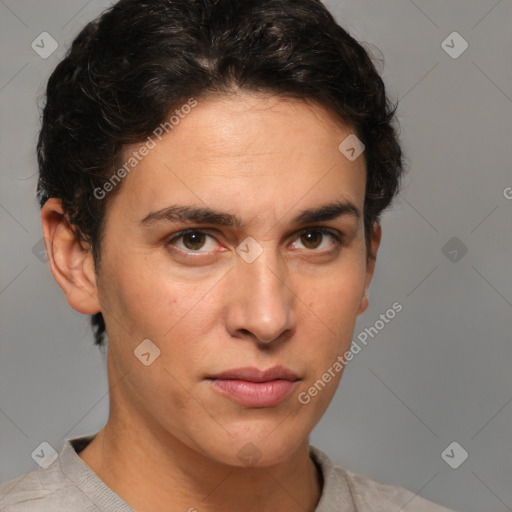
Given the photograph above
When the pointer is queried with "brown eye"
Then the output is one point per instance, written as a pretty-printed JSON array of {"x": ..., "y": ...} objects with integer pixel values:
[
  {"x": 194, "y": 240},
  {"x": 312, "y": 239},
  {"x": 317, "y": 239}
]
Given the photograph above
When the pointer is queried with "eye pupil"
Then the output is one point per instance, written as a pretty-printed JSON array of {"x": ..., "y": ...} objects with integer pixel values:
[
  {"x": 197, "y": 240},
  {"x": 311, "y": 237}
]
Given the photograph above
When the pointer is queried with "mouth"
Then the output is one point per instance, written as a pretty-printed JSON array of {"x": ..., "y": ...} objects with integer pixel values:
[{"x": 256, "y": 388}]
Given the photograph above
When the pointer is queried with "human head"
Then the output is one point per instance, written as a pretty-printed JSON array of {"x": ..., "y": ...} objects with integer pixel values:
[
  {"x": 257, "y": 97},
  {"x": 127, "y": 71}
]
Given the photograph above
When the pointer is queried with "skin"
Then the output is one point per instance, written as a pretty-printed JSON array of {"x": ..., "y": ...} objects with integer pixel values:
[{"x": 171, "y": 441}]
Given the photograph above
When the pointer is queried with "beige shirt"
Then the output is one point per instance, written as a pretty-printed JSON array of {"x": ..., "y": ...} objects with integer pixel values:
[{"x": 69, "y": 485}]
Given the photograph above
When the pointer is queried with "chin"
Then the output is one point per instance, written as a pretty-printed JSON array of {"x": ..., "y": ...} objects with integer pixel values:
[{"x": 256, "y": 451}]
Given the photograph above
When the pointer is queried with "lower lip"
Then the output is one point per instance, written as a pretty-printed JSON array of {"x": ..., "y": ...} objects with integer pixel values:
[{"x": 255, "y": 394}]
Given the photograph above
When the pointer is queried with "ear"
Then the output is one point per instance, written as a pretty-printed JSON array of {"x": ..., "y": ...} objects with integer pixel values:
[
  {"x": 371, "y": 258},
  {"x": 71, "y": 261}
]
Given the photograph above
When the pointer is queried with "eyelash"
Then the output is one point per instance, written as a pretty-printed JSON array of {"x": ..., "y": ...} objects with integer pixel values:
[{"x": 338, "y": 237}]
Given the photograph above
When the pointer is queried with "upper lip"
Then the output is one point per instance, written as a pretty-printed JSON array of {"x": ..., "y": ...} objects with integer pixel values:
[{"x": 255, "y": 375}]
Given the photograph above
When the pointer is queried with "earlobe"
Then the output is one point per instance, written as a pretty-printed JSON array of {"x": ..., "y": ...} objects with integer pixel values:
[
  {"x": 364, "y": 304},
  {"x": 71, "y": 261},
  {"x": 376, "y": 236}
]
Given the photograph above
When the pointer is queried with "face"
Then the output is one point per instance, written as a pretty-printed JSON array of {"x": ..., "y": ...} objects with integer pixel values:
[{"x": 271, "y": 280}]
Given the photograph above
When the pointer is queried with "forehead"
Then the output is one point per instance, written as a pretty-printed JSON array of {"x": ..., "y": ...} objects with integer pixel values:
[{"x": 248, "y": 153}]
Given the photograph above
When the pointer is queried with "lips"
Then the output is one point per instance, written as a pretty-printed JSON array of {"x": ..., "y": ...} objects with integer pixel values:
[
  {"x": 255, "y": 375},
  {"x": 252, "y": 387}
]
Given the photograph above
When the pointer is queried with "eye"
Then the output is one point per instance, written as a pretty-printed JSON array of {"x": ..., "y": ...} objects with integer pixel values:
[
  {"x": 192, "y": 240},
  {"x": 313, "y": 238}
]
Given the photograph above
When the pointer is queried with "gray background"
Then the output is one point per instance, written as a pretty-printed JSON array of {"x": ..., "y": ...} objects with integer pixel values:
[{"x": 438, "y": 372}]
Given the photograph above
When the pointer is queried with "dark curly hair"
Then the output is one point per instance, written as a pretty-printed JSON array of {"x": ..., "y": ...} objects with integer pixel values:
[{"x": 128, "y": 69}]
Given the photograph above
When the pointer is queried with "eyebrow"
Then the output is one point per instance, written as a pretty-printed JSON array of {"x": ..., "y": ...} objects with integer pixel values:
[{"x": 193, "y": 214}]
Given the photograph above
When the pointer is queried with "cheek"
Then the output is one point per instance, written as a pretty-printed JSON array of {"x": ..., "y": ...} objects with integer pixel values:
[
  {"x": 143, "y": 301},
  {"x": 176, "y": 316},
  {"x": 329, "y": 314},
  {"x": 336, "y": 296}
]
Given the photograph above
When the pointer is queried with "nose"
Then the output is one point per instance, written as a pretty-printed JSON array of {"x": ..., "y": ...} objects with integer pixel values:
[{"x": 262, "y": 303}]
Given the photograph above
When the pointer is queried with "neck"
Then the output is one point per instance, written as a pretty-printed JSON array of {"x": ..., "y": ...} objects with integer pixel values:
[{"x": 154, "y": 471}]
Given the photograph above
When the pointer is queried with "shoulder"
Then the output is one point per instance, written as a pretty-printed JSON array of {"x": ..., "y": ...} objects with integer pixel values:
[
  {"x": 342, "y": 485},
  {"x": 58, "y": 486},
  {"x": 27, "y": 493},
  {"x": 385, "y": 497}
]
